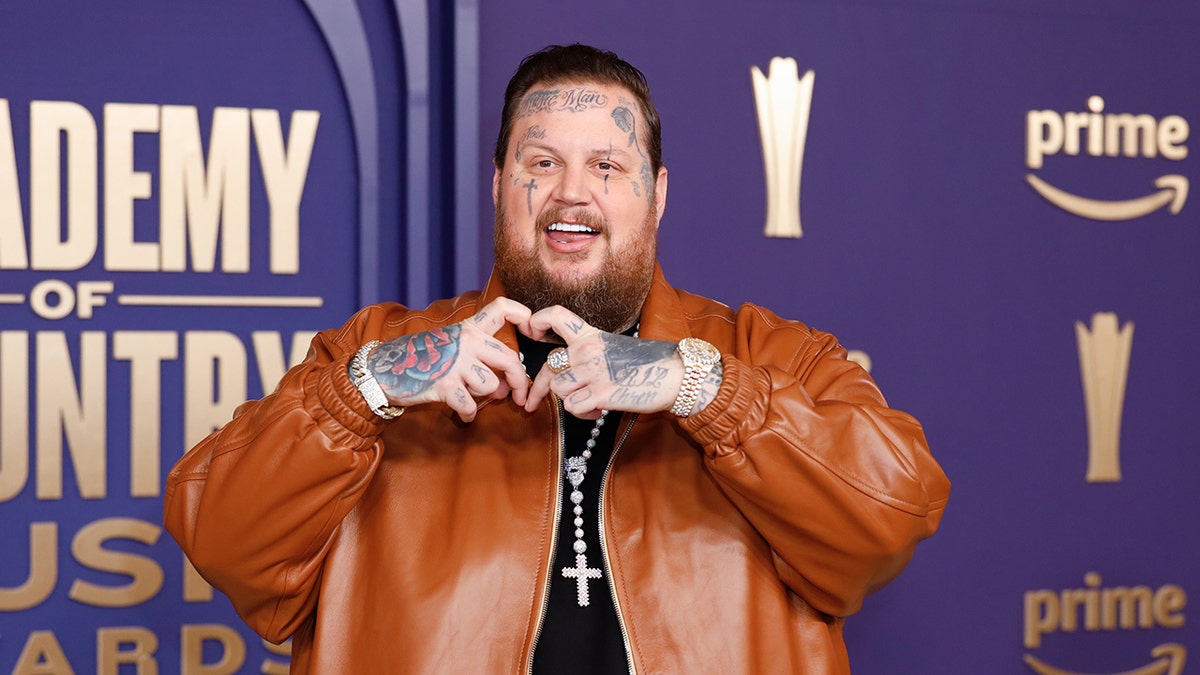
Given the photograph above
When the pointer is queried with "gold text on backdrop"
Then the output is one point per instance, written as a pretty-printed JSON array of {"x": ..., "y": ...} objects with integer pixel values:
[{"x": 1100, "y": 134}]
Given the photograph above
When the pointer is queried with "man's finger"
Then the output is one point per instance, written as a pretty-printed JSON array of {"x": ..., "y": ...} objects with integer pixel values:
[
  {"x": 538, "y": 390},
  {"x": 502, "y": 391},
  {"x": 515, "y": 377},
  {"x": 460, "y": 401},
  {"x": 481, "y": 381},
  {"x": 580, "y": 402},
  {"x": 507, "y": 364},
  {"x": 565, "y": 323},
  {"x": 499, "y": 312}
]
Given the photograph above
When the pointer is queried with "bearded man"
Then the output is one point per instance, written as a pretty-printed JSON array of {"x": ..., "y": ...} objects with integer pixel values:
[{"x": 577, "y": 469}]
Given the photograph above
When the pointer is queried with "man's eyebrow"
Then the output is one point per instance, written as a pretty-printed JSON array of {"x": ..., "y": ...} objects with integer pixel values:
[
  {"x": 612, "y": 150},
  {"x": 603, "y": 151}
]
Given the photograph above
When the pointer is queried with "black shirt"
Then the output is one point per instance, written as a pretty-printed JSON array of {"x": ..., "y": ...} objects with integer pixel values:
[{"x": 573, "y": 639}]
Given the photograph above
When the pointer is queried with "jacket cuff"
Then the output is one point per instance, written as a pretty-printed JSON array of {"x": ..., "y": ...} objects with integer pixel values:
[
  {"x": 341, "y": 407},
  {"x": 739, "y": 401}
]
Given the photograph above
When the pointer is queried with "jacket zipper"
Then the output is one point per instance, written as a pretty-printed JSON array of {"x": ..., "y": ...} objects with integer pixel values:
[
  {"x": 562, "y": 442},
  {"x": 612, "y": 586}
]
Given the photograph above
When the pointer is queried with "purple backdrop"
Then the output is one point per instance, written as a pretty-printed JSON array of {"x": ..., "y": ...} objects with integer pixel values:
[{"x": 925, "y": 247}]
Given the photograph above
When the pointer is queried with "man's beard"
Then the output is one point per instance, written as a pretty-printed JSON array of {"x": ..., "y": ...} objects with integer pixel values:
[{"x": 610, "y": 300}]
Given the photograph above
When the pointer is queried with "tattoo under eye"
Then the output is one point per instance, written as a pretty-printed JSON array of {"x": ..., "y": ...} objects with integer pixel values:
[
  {"x": 529, "y": 188},
  {"x": 607, "y": 158}
]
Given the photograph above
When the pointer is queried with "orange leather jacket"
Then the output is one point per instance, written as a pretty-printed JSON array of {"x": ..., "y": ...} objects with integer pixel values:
[{"x": 737, "y": 540}]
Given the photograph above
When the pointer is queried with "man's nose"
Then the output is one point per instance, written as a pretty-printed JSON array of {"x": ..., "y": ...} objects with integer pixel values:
[{"x": 573, "y": 189}]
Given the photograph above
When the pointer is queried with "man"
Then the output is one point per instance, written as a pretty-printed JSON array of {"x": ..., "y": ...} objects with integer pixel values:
[{"x": 681, "y": 488}]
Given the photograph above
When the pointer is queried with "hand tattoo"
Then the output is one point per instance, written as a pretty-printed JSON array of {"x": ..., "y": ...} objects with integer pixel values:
[
  {"x": 624, "y": 354},
  {"x": 481, "y": 372},
  {"x": 408, "y": 366},
  {"x": 635, "y": 370}
]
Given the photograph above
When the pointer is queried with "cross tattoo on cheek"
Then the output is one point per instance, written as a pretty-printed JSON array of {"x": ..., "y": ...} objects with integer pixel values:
[{"x": 529, "y": 188}]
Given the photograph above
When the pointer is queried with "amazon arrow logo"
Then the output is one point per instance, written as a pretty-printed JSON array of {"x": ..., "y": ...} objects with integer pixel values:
[
  {"x": 1173, "y": 190},
  {"x": 1168, "y": 660},
  {"x": 1101, "y": 134}
]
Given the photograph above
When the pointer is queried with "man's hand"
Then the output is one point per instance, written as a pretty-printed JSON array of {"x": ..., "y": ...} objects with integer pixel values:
[
  {"x": 607, "y": 371},
  {"x": 455, "y": 363}
]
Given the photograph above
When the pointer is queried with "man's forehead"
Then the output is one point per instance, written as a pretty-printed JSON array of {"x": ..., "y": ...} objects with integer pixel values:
[
  {"x": 575, "y": 95},
  {"x": 610, "y": 87}
]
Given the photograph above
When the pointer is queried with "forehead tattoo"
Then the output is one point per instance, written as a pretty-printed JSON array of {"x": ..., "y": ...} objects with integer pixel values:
[
  {"x": 625, "y": 120},
  {"x": 575, "y": 99},
  {"x": 533, "y": 132}
]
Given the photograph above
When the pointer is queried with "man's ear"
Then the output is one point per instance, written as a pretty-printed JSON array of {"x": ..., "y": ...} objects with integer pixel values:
[
  {"x": 660, "y": 192},
  {"x": 496, "y": 186}
]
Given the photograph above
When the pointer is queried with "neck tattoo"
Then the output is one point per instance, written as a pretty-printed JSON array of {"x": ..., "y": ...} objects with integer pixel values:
[{"x": 575, "y": 469}]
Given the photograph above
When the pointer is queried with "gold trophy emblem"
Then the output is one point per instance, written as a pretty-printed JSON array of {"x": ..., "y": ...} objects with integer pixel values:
[
  {"x": 1104, "y": 366},
  {"x": 783, "y": 100}
]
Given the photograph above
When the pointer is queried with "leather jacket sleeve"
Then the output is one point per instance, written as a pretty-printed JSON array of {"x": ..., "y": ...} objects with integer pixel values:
[
  {"x": 841, "y": 486},
  {"x": 255, "y": 504}
]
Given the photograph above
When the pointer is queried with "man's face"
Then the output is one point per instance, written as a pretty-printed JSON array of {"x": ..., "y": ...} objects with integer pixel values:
[{"x": 577, "y": 204}]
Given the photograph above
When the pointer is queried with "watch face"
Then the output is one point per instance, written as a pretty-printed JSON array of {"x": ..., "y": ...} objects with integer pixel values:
[{"x": 699, "y": 351}]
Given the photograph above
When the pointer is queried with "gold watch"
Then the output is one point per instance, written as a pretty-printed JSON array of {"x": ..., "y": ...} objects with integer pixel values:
[{"x": 699, "y": 357}]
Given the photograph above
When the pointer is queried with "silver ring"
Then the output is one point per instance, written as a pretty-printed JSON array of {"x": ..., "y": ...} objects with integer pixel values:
[{"x": 558, "y": 360}]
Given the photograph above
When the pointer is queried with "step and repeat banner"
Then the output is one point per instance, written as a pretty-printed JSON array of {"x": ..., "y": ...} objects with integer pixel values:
[
  {"x": 179, "y": 213},
  {"x": 988, "y": 203}
]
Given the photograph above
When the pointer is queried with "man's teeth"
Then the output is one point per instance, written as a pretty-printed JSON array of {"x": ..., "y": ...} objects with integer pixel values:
[{"x": 570, "y": 227}]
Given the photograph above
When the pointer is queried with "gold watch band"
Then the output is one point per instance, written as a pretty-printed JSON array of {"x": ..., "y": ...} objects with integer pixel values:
[
  {"x": 366, "y": 384},
  {"x": 699, "y": 357}
]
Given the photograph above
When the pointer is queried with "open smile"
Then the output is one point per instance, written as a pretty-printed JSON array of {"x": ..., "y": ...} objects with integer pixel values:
[{"x": 570, "y": 237}]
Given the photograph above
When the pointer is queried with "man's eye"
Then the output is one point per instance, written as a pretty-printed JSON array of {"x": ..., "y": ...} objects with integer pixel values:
[
  {"x": 545, "y": 164},
  {"x": 605, "y": 166}
]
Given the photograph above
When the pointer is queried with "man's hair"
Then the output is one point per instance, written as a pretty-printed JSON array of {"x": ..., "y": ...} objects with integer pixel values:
[{"x": 579, "y": 64}]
